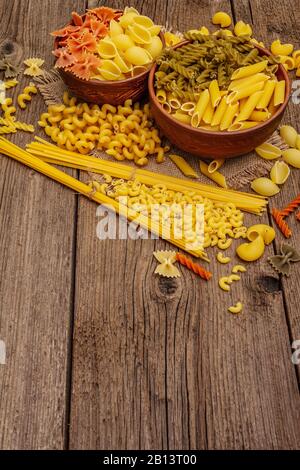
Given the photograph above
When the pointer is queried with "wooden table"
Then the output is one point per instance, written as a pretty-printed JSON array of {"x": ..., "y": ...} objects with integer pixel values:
[{"x": 102, "y": 354}]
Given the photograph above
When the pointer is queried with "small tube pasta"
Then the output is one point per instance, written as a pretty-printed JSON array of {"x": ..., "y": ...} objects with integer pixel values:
[
  {"x": 184, "y": 118},
  {"x": 240, "y": 126},
  {"x": 221, "y": 18},
  {"x": 281, "y": 49},
  {"x": 236, "y": 309},
  {"x": 215, "y": 165},
  {"x": 214, "y": 91},
  {"x": 249, "y": 70},
  {"x": 216, "y": 176},
  {"x": 238, "y": 268},
  {"x": 267, "y": 94},
  {"x": 188, "y": 107},
  {"x": 161, "y": 96},
  {"x": 279, "y": 93},
  {"x": 224, "y": 284},
  {"x": 260, "y": 116},
  {"x": 223, "y": 259},
  {"x": 183, "y": 166}
]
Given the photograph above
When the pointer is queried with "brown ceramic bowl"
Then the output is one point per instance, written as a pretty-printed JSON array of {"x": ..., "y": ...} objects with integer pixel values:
[
  {"x": 209, "y": 144},
  {"x": 111, "y": 92}
]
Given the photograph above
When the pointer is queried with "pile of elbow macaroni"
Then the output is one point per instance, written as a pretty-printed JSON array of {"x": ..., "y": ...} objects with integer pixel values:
[{"x": 124, "y": 132}]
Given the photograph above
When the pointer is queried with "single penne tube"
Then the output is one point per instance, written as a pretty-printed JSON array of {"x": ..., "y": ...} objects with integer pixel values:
[
  {"x": 279, "y": 93},
  {"x": 209, "y": 112},
  {"x": 185, "y": 118},
  {"x": 243, "y": 101},
  {"x": 258, "y": 77},
  {"x": 215, "y": 176},
  {"x": 214, "y": 91},
  {"x": 215, "y": 165},
  {"x": 183, "y": 166},
  {"x": 167, "y": 107},
  {"x": 267, "y": 94},
  {"x": 230, "y": 113},
  {"x": 161, "y": 96},
  {"x": 188, "y": 107},
  {"x": 240, "y": 126},
  {"x": 260, "y": 116},
  {"x": 272, "y": 108},
  {"x": 219, "y": 112},
  {"x": 209, "y": 128},
  {"x": 249, "y": 70},
  {"x": 249, "y": 106},
  {"x": 244, "y": 92},
  {"x": 173, "y": 101},
  {"x": 200, "y": 108}
]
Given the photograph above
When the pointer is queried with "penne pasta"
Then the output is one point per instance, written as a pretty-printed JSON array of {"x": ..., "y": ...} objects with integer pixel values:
[
  {"x": 215, "y": 165},
  {"x": 188, "y": 107},
  {"x": 249, "y": 70},
  {"x": 173, "y": 101},
  {"x": 244, "y": 92},
  {"x": 185, "y": 118},
  {"x": 219, "y": 113},
  {"x": 260, "y": 116},
  {"x": 200, "y": 108},
  {"x": 214, "y": 91},
  {"x": 279, "y": 93},
  {"x": 230, "y": 113},
  {"x": 215, "y": 176},
  {"x": 161, "y": 96},
  {"x": 267, "y": 95},
  {"x": 256, "y": 78},
  {"x": 241, "y": 126},
  {"x": 249, "y": 106},
  {"x": 183, "y": 166},
  {"x": 208, "y": 115}
]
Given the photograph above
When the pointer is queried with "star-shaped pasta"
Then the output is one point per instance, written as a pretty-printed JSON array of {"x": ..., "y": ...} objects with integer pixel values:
[
  {"x": 34, "y": 65},
  {"x": 166, "y": 267}
]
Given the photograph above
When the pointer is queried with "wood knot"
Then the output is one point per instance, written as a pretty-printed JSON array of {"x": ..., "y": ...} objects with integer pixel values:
[
  {"x": 12, "y": 50},
  {"x": 268, "y": 284},
  {"x": 167, "y": 288},
  {"x": 7, "y": 47}
]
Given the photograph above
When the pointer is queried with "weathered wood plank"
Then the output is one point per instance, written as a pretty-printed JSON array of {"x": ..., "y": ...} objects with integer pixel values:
[
  {"x": 161, "y": 363},
  {"x": 37, "y": 220}
]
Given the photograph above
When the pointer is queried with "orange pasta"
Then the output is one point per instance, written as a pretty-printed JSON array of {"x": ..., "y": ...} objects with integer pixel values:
[
  {"x": 282, "y": 225},
  {"x": 291, "y": 207},
  {"x": 196, "y": 268}
]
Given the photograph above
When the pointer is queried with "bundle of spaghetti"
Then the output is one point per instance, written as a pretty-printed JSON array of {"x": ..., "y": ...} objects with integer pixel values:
[
  {"x": 281, "y": 224},
  {"x": 291, "y": 207},
  {"x": 53, "y": 154},
  {"x": 196, "y": 268},
  {"x": 17, "y": 153}
]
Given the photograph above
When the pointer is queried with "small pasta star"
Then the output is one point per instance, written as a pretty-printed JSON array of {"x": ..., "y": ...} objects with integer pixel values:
[
  {"x": 166, "y": 267},
  {"x": 34, "y": 65}
]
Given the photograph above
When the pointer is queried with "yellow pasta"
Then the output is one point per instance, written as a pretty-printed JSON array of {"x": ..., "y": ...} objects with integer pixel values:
[
  {"x": 214, "y": 91},
  {"x": 292, "y": 157},
  {"x": 236, "y": 309},
  {"x": 289, "y": 135},
  {"x": 224, "y": 284},
  {"x": 183, "y": 166},
  {"x": 288, "y": 62},
  {"x": 281, "y": 49},
  {"x": 215, "y": 176},
  {"x": 251, "y": 251},
  {"x": 215, "y": 165},
  {"x": 137, "y": 56},
  {"x": 240, "y": 126},
  {"x": 8, "y": 109},
  {"x": 219, "y": 113},
  {"x": 26, "y": 95},
  {"x": 200, "y": 108},
  {"x": 259, "y": 116},
  {"x": 265, "y": 187},
  {"x": 247, "y": 81},
  {"x": 209, "y": 113},
  {"x": 244, "y": 92},
  {"x": 280, "y": 172},
  {"x": 166, "y": 267},
  {"x": 223, "y": 259},
  {"x": 161, "y": 95},
  {"x": 249, "y": 70},
  {"x": 230, "y": 113},
  {"x": 10, "y": 84},
  {"x": 268, "y": 151},
  {"x": 242, "y": 29},
  {"x": 279, "y": 93},
  {"x": 34, "y": 65},
  {"x": 249, "y": 106},
  {"x": 267, "y": 94},
  {"x": 224, "y": 244},
  {"x": 238, "y": 268},
  {"x": 221, "y": 18}
]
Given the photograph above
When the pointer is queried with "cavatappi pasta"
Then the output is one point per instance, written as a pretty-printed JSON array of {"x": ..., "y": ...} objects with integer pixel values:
[
  {"x": 220, "y": 82},
  {"x": 125, "y": 132}
]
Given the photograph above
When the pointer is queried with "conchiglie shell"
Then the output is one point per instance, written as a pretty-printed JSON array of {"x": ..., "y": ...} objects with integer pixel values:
[
  {"x": 268, "y": 151},
  {"x": 264, "y": 187},
  {"x": 292, "y": 157},
  {"x": 298, "y": 142},
  {"x": 280, "y": 172},
  {"x": 139, "y": 34},
  {"x": 115, "y": 28},
  {"x": 130, "y": 10},
  {"x": 109, "y": 70},
  {"x": 127, "y": 19},
  {"x": 251, "y": 251},
  {"x": 155, "y": 47},
  {"x": 143, "y": 21},
  {"x": 289, "y": 135},
  {"x": 155, "y": 30},
  {"x": 138, "y": 70},
  {"x": 137, "y": 56},
  {"x": 123, "y": 42},
  {"x": 107, "y": 49},
  {"x": 265, "y": 231},
  {"x": 123, "y": 66}
]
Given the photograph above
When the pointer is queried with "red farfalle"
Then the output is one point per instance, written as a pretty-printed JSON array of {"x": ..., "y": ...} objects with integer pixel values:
[
  {"x": 64, "y": 58},
  {"x": 77, "y": 19},
  {"x": 86, "y": 66},
  {"x": 66, "y": 31},
  {"x": 104, "y": 14},
  {"x": 98, "y": 28},
  {"x": 86, "y": 42}
]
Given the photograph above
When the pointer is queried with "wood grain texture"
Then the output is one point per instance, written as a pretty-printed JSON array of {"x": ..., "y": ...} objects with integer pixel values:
[
  {"x": 161, "y": 364},
  {"x": 36, "y": 260}
]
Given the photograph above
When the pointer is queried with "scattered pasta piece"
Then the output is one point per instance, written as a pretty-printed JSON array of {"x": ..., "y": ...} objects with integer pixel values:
[
  {"x": 10, "y": 70},
  {"x": 291, "y": 207},
  {"x": 265, "y": 231},
  {"x": 196, "y": 268},
  {"x": 26, "y": 95},
  {"x": 233, "y": 277},
  {"x": 7, "y": 130},
  {"x": 242, "y": 29},
  {"x": 251, "y": 251},
  {"x": 236, "y": 309},
  {"x": 281, "y": 224},
  {"x": 34, "y": 67},
  {"x": 166, "y": 267},
  {"x": 289, "y": 135},
  {"x": 281, "y": 263},
  {"x": 10, "y": 84},
  {"x": 280, "y": 172},
  {"x": 265, "y": 187},
  {"x": 238, "y": 269},
  {"x": 183, "y": 166},
  {"x": 172, "y": 39},
  {"x": 224, "y": 284},
  {"x": 215, "y": 165},
  {"x": 221, "y": 18},
  {"x": 292, "y": 157},
  {"x": 216, "y": 176},
  {"x": 8, "y": 109},
  {"x": 268, "y": 151},
  {"x": 281, "y": 49},
  {"x": 223, "y": 259}
]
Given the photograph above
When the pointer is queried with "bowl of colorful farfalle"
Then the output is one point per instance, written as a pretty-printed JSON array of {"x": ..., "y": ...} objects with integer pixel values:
[{"x": 105, "y": 55}]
